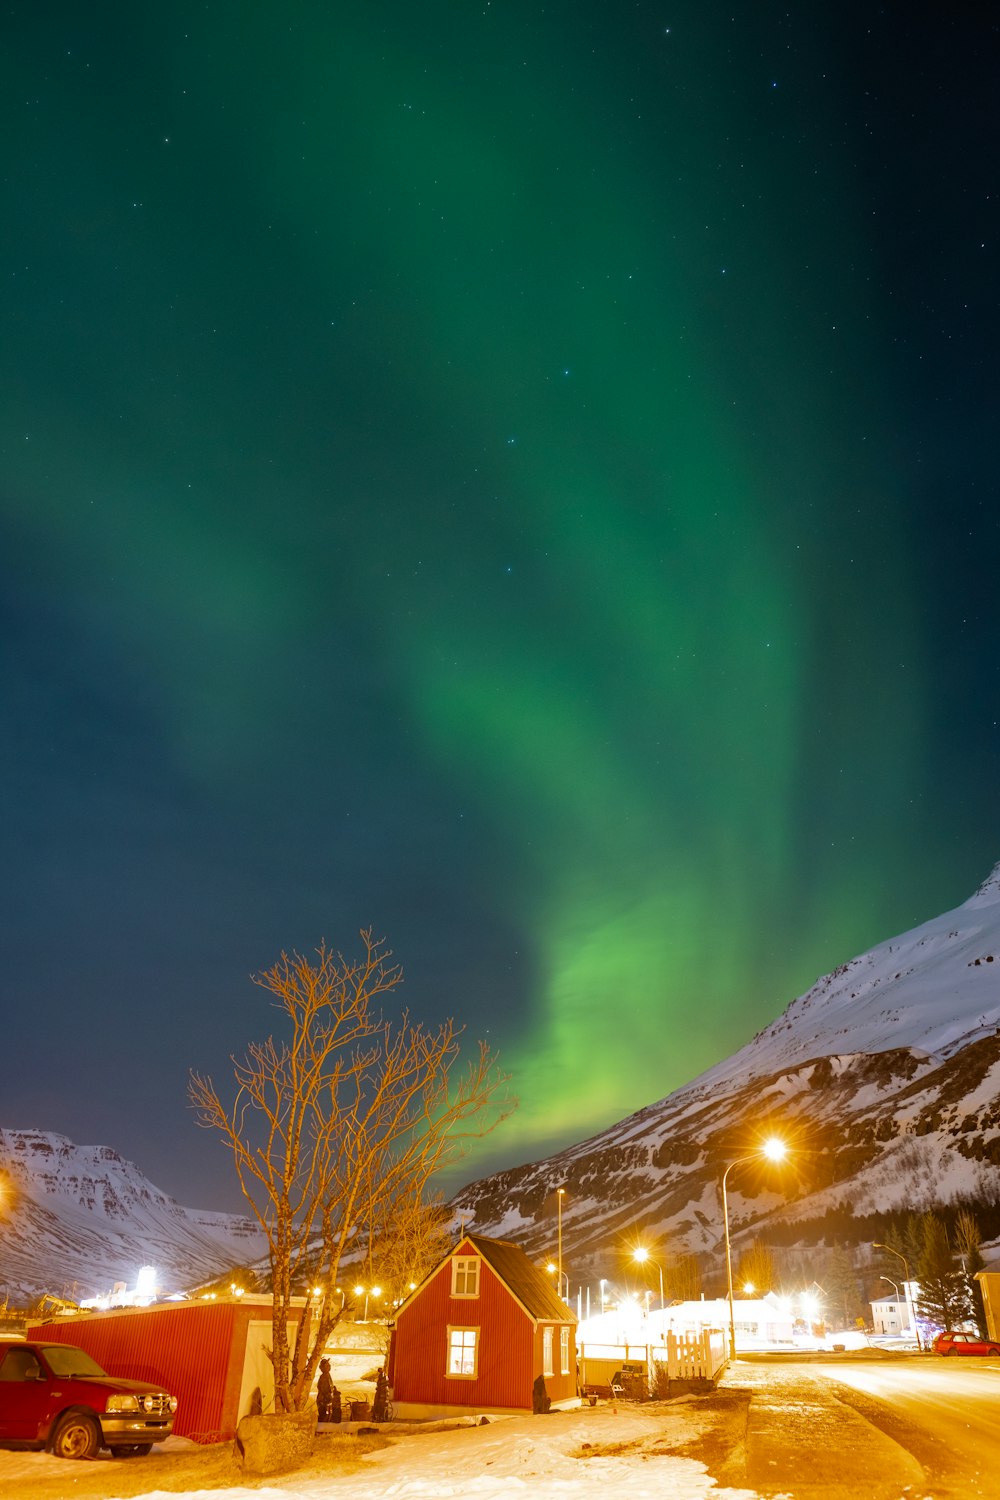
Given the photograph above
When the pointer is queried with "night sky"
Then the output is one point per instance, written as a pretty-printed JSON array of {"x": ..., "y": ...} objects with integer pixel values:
[{"x": 519, "y": 477}]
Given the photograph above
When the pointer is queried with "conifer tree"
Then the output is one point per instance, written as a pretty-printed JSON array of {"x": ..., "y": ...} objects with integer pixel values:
[{"x": 942, "y": 1296}]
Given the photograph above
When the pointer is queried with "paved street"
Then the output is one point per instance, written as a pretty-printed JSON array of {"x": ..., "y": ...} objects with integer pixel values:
[{"x": 872, "y": 1429}]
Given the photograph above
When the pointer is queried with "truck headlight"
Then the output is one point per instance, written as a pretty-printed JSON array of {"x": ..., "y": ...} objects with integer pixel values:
[{"x": 122, "y": 1403}]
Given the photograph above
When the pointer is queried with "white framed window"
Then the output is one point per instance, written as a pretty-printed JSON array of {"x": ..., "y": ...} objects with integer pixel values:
[
  {"x": 463, "y": 1353},
  {"x": 465, "y": 1276},
  {"x": 547, "y": 1366},
  {"x": 564, "y": 1351}
]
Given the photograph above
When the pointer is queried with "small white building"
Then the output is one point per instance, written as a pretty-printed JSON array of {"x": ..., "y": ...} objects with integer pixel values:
[
  {"x": 889, "y": 1315},
  {"x": 759, "y": 1320}
]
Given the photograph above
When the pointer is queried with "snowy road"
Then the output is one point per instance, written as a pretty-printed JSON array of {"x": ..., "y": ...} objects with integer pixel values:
[{"x": 946, "y": 1412}]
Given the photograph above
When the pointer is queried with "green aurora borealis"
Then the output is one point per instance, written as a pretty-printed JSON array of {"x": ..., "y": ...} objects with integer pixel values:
[{"x": 519, "y": 478}]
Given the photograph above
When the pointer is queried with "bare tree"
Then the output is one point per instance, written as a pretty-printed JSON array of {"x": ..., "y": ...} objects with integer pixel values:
[
  {"x": 415, "y": 1237},
  {"x": 339, "y": 1127},
  {"x": 756, "y": 1268},
  {"x": 682, "y": 1277},
  {"x": 968, "y": 1242}
]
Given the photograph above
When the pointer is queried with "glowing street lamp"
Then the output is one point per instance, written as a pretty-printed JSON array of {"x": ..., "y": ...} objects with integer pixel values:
[
  {"x": 774, "y": 1150},
  {"x": 562, "y": 1277},
  {"x": 374, "y": 1291},
  {"x": 642, "y": 1255},
  {"x": 603, "y": 1285},
  {"x": 906, "y": 1286}
]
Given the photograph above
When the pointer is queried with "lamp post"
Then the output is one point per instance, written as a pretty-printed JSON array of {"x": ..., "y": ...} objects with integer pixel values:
[
  {"x": 559, "y": 1199},
  {"x": 603, "y": 1285},
  {"x": 373, "y": 1291},
  {"x": 642, "y": 1256},
  {"x": 906, "y": 1287},
  {"x": 562, "y": 1278},
  {"x": 773, "y": 1150}
]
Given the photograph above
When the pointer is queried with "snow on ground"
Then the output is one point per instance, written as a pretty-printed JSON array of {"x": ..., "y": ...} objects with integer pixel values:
[{"x": 587, "y": 1454}]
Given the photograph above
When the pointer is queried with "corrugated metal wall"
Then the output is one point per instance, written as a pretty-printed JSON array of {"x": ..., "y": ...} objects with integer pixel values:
[
  {"x": 510, "y": 1350},
  {"x": 191, "y": 1350}
]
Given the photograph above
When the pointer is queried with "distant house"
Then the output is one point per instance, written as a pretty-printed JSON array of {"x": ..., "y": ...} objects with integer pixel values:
[
  {"x": 890, "y": 1316},
  {"x": 478, "y": 1333}
]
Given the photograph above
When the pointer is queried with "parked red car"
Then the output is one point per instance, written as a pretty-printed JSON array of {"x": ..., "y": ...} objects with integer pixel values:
[
  {"x": 57, "y": 1397},
  {"x": 964, "y": 1343}
]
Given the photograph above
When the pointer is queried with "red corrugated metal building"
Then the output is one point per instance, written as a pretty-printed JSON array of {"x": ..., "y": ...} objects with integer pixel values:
[
  {"x": 209, "y": 1354},
  {"x": 478, "y": 1332}
]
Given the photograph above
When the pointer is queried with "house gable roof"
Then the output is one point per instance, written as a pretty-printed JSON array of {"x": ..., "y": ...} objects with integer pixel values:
[{"x": 529, "y": 1285}]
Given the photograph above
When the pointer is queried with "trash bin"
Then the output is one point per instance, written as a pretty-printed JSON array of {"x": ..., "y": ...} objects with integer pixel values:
[{"x": 360, "y": 1411}]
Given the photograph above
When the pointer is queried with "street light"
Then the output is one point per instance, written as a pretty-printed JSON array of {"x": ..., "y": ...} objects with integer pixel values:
[
  {"x": 642, "y": 1255},
  {"x": 906, "y": 1287},
  {"x": 559, "y": 1199},
  {"x": 774, "y": 1150},
  {"x": 561, "y": 1276},
  {"x": 603, "y": 1285},
  {"x": 374, "y": 1291},
  {"x": 892, "y": 1283}
]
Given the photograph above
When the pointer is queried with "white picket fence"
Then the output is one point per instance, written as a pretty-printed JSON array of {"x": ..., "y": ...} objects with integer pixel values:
[
  {"x": 691, "y": 1356},
  {"x": 697, "y": 1355}
]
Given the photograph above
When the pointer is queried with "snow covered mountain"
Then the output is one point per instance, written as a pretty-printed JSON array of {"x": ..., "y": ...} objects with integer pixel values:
[
  {"x": 884, "y": 1078},
  {"x": 77, "y": 1219}
]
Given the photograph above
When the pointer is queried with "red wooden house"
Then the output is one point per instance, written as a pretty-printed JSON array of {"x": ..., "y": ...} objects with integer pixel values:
[{"x": 478, "y": 1332}]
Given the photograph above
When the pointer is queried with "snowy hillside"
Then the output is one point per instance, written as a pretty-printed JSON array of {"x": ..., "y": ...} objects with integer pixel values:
[
  {"x": 935, "y": 989},
  {"x": 83, "y": 1217},
  {"x": 884, "y": 1077}
]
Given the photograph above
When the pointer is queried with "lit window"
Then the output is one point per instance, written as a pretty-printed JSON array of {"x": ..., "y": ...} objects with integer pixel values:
[
  {"x": 465, "y": 1276},
  {"x": 463, "y": 1351},
  {"x": 547, "y": 1368},
  {"x": 564, "y": 1350}
]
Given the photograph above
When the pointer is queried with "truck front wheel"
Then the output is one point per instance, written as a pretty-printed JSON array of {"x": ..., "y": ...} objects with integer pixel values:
[{"x": 76, "y": 1436}]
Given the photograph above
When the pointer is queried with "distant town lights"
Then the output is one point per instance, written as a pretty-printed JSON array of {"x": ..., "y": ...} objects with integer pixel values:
[{"x": 145, "y": 1282}]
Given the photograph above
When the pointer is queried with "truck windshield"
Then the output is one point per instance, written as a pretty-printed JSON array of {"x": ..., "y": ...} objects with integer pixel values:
[{"x": 67, "y": 1360}]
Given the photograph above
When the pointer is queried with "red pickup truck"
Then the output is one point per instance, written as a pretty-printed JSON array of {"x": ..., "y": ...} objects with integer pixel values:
[{"x": 56, "y": 1396}]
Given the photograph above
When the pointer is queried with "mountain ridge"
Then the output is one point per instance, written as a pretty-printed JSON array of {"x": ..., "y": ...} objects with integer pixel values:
[
  {"x": 884, "y": 1076},
  {"x": 83, "y": 1218}
]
